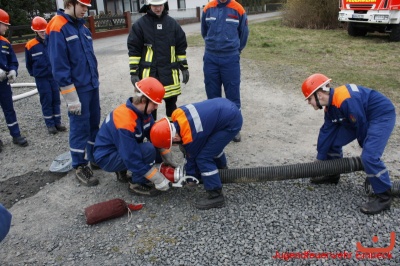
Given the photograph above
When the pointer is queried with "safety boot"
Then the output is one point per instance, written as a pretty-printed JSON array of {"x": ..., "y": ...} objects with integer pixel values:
[
  {"x": 328, "y": 179},
  {"x": 143, "y": 189},
  {"x": 94, "y": 166},
  {"x": 21, "y": 141},
  {"x": 85, "y": 175},
  {"x": 52, "y": 130},
  {"x": 61, "y": 127},
  {"x": 380, "y": 203},
  {"x": 122, "y": 176},
  {"x": 237, "y": 138},
  {"x": 214, "y": 199}
]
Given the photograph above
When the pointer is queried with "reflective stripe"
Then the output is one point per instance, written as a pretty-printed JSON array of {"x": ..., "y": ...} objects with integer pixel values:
[
  {"x": 72, "y": 38},
  {"x": 196, "y": 118},
  {"x": 13, "y": 124},
  {"x": 354, "y": 87},
  {"x": 210, "y": 173},
  {"x": 91, "y": 142},
  {"x": 211, "y": 18},
  {"x": 76, "y": 150},
  {"x": 378, "y": 175},
  {"x": 47, "y": 117},
  {"x": 219, "y": 155},
  {"x": 233, "y": 20},
  {"x": 36, "y": 54},
  {"x": 148, "y": 58}
]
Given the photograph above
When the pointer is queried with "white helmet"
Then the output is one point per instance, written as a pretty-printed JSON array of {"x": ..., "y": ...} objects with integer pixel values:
[{"x": 156, "y": 2}]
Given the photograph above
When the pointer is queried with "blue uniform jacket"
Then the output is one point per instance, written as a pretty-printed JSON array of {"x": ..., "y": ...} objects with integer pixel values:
[
  {"x": 71, "y": 54},
  {"x": 198, "y": 121},
  {"x": 351, "y": 106},
  {"x": 5, "y": 222},
  {"x": 122, "y": 131},
  {"x": 8, "y": 59},
  {"x": 224, "y": 28},
  {"x": 37, "y": 59}
]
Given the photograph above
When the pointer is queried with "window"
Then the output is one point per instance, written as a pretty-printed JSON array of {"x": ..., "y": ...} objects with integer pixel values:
[{"x": 181, "y": 4}]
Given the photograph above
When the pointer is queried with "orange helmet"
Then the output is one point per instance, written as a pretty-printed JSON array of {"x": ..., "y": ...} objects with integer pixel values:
[
  {"x": 152, "y": 89},
  {"x": 4, "y": 17},
  {"x": 38, "y": 24},
  {"x": 313, "y": 83},
  {"x": 161, "y": 133},
  {"x": 85, "y": 2}
]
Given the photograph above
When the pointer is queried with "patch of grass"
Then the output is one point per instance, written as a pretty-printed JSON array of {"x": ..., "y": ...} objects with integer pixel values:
[{"x": 369, "y": 61}]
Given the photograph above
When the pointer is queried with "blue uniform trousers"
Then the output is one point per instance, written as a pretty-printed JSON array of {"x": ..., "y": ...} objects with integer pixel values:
[
  {"x": 84, "y": 128},
  {"x": 222, "y": 70},
  {"x": 114, "y": 162},
  {"x": 378, "y": 134},
  {"x": 5, "y": 222},
  {"x": 212, "y": 157},
  {"x": 7, "y": 105},
  {"x": 50, "y": 100}
]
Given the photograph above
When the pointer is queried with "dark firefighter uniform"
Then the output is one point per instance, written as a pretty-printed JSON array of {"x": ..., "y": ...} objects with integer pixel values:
[
  {"x": 356, "y": 112},
  {"x": 119, "y": 143},
  {"x": 206, "y": 128},
  {"x": 8, "y": 62},
  {"x": 157, "y": 48},
  {"x": 38, "y": 66},
  {"x": 74, "y": 67}
]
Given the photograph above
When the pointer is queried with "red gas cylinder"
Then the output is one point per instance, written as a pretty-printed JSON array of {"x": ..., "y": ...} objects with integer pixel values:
[{"x": 168, "y": 172}]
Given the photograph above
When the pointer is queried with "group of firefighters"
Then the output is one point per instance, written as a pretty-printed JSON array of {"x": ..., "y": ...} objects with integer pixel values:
[{"x": 131, "y": 140}]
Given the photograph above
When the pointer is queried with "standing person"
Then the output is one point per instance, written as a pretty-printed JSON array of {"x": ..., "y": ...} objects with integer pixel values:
[
  {"x": 120, "y": 142},
  {"x": 225, "y": 32},
  {"x": 8, "y": 74},
  {"x": 157, "y": 48},
  {"x": 74, "y": 66},
  {"x": 38, "y": 66},
  {"x": 354, "y": 112},
  {"x": 203, "y": 129}
]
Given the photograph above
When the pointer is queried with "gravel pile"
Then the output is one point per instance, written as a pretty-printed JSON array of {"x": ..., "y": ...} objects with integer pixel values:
[{"x": 262, "y": 223}]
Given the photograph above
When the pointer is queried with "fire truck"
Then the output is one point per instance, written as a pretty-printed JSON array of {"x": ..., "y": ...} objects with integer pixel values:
[{"x": 363, "y": 16}]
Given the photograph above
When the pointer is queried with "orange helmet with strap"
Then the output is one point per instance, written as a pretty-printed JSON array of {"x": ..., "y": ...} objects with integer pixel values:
[
  {"x": 4, "y": 17},
  {"x": 313, "y": 83},
  {"x": 152, "y": 89},
  {"x": 85, "y": 2},
  {"x": 161, "y": 133},
  {"x": 39, "y": 24}
]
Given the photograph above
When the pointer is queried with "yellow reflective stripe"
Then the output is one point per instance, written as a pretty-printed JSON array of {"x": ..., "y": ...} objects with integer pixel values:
[
  {"x": 134, "y": 60},
  {"x": 66, "y": 91},
  {"x": 175, "y": 76},
  {"x": 146, "y": 73},
  {"x": 181, "y": 57},
  {"x": 173, "y": 56},
  {"x": 149, "y": 54},
  {"x": 172, "y": 90}
]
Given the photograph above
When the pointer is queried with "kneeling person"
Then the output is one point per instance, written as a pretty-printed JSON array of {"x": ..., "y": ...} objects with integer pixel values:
[
  {"x": 120, "y": 145},
  {"x": 203, "y": 129}
]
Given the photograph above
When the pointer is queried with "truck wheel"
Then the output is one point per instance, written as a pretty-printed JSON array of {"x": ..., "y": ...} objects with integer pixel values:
[
  {"x": 395, "y": 33},
  {"x": 355, "y": 31}
]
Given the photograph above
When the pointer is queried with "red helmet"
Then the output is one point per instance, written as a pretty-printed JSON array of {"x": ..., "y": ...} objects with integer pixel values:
[
  {"x": 161, "y": 133},
  {"x": 85, "y": 2},
  {"x": 4, "y": 17},
  {"x": 38, "y": 24},
  {"x": 152, "y": 89},
  {"x": 313, "y": 83}
]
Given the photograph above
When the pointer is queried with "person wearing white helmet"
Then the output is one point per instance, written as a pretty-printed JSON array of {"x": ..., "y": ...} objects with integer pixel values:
[
  {"x": 74, "y": 68},
  {"x": 38, "y": 65},
  {"x": 157, "y": 48},
  {"x": 8, "y": 74}
]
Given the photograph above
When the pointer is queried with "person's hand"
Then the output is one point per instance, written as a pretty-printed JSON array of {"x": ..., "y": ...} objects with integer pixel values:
[
  {"x": 166, "y": 156},
  {"x": 185, "y": 76},
  {"x": 3, "y": 75},
  {"x": 12, "y": 76},
  {"x": 75, "y": 108},
  {"x": 158, "y": 179},
  {"x": 134, "y": 79}
]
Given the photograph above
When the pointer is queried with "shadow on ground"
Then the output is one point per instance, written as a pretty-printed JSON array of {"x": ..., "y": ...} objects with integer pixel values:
[{"x": 21, "y": 187}]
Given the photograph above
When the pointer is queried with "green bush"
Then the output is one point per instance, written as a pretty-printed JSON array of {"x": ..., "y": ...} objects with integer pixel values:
[{"x": 311, "y": 14}]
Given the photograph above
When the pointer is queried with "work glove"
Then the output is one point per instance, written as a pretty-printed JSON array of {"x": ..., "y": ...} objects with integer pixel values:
[
  {"x": 185, "y": 76},
  {"x": 73, "y": 104},
  {"x": 3, "y": 75},
  {"x": 182, "y": 149},
  {"x": 134, "y": 79},
  {"x": 158, "y": 179},
  {"x": 12, "y": 76},
  {"x": 166, "y": 156}
]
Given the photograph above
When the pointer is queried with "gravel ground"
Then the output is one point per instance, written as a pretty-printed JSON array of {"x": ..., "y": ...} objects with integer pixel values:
[{"x": 259, "y": 220}]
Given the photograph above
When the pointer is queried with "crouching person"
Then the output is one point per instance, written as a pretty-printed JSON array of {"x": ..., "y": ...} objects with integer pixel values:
[
  {"x": 120, "y": 145},
  {"x": 203, "y": 129}
]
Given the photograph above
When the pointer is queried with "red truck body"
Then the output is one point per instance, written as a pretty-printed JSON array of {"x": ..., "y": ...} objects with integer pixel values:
[{"x": 363, "y": 16}]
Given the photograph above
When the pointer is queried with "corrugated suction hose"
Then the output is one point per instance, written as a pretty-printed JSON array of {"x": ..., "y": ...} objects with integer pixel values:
[{"x": 301, "y": 170}]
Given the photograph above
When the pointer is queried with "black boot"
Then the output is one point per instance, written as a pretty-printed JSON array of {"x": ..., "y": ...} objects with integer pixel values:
[
  {"x": 214, "y": 199},
  {"x": 122, "y": 176},
  {"x": 380, "y": 203},
  {"x": 328, "y": 179}
]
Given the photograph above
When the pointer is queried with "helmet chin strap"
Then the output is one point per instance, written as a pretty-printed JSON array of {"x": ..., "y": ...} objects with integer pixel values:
[
  {"x": 145, "y": 108},
  {"x": 317, "y": 101}
]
